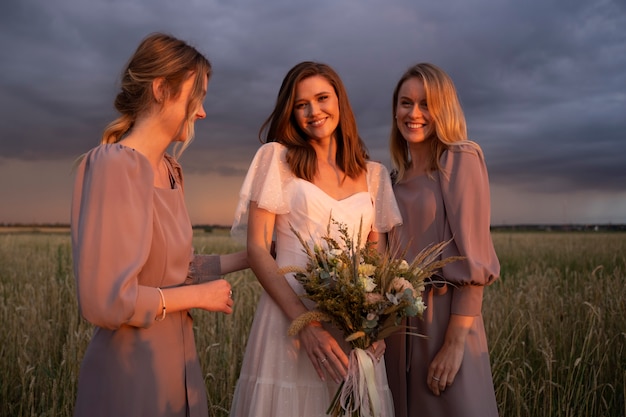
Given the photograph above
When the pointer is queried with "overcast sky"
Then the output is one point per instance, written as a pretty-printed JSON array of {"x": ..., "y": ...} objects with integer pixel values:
[{"x": 542, "y": 83}]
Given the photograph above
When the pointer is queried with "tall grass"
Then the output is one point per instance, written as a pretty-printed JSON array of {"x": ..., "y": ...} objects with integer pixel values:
[
  {"x": 556, "y": 325},
  {"x": 43, "y": 337}
]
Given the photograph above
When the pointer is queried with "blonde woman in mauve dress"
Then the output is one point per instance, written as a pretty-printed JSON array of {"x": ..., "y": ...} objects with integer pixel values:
[
  {"x": 442, "y": 189},
  {"x": 136, "y": 274},
  {"x": 313, "y": 166}
]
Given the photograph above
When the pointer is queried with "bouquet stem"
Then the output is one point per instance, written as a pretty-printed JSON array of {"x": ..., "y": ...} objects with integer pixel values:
[
  {"x": 357, "y": 396},
  {"x": 334, "y": 403}
]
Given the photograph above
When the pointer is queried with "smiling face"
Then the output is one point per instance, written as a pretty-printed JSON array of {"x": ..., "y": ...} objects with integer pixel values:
[
  {"x": 316, "y": 108},
  {"x": 412, "y": 115}
]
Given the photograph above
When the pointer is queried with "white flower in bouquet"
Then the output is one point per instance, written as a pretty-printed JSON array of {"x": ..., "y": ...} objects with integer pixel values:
[{"x": 366, "y": 295}]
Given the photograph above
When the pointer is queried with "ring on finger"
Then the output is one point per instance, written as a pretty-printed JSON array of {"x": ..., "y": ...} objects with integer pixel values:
[
  {"x": 436, "y": 379},
  {"x": 323, "y": 359}
]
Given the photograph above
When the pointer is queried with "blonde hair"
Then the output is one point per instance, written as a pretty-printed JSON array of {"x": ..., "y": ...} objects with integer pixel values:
[
  {"x": 158, "y": 56},
  {"x": 281, "y": 127},
  {"x": 445, "y": 112}
]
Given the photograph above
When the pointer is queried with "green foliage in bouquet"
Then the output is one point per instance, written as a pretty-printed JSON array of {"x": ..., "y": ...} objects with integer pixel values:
[{"x": 364, "y": 293}]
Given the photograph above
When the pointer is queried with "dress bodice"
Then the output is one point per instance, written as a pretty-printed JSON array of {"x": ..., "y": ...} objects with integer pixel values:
[{"x": 310, "y": 215}]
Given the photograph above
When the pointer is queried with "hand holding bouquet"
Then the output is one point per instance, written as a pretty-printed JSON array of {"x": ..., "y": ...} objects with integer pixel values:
[{"x": 366, "y": 295}]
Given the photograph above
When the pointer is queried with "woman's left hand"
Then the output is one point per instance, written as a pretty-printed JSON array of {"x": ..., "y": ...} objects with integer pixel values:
[
  {"x": 447, "y": 361},
  {"x": 377, "y": 349},
  {"x": 444, "y": 367}
]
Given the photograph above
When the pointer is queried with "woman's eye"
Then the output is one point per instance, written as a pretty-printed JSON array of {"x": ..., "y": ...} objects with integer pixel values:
[
  {"x": 323, "y": 98},
  {"x": 300, "y": 106}
]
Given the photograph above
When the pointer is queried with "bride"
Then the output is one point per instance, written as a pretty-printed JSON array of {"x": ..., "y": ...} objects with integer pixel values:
[{"x": 313, "y": 165}]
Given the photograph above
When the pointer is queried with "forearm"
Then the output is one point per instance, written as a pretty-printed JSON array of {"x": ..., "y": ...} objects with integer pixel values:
[
  {"x": 184, "y": 297},
  {"x": 260, "y": 232},
  {"x": 233, "y": 262},
  {"x": 210, "y": 296},
  {"x": 380, "y": 240},
  {"x": 458, "y": 329},
  {"x": 274, "y": 283}
]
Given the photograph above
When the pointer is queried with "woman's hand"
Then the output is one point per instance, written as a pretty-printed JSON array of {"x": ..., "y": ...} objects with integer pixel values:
[
  {"x": 324, "y": 352},
  {"x": 377, "y": 349},
  {"x": 215, "y": 296},
  {"x": 444, "y": 367},
  {"x": 447, "y": 361}
]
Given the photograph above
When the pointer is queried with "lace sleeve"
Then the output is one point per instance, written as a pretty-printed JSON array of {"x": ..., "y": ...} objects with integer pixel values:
[
  {"x": 387, "y": 215},
  {"x": 264, "y": 184}
]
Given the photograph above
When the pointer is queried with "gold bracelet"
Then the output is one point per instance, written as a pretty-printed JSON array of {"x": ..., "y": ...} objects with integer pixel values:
[{"x": 164, "y": 311}]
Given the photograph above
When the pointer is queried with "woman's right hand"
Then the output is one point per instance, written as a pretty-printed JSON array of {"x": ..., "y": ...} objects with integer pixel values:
[
  {"x": 324, "y": 352},
  {"x": 321, "y": 347},
  {"x": 215, "y": 296}
]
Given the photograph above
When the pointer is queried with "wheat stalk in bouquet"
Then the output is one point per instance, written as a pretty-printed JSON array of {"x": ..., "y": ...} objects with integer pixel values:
[{"x": 364, "y": 293}]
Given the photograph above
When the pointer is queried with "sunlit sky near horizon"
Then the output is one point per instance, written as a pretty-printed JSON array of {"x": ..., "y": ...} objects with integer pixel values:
[{"x": 542, "y": 83}]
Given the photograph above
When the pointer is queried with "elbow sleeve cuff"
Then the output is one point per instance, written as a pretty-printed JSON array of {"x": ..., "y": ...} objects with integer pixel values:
[
  {"x": 467, "y": 300},
  {"x": 204, "y": 268},
  {"x": 148, "y": 302}
]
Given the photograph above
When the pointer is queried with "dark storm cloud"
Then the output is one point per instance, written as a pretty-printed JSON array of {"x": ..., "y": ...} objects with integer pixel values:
[
  {"x": 542, "y": 82},
  {"x": 549, "y": 105}
]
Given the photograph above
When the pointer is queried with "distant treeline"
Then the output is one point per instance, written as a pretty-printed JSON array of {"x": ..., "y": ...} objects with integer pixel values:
[
  {"x": 561, "y": 228},
  {"x": 66, "y": 226},
  {"x": 37, "y": 225},
  {"x": 512, "y": 227}
]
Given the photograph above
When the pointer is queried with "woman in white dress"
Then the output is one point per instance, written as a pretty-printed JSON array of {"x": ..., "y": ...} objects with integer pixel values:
[{"x": 313, "y": 166}]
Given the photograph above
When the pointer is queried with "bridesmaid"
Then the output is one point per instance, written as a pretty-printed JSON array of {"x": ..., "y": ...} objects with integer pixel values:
[
  {"x": 442, "y": 189},
  {"x": 131, "y": 241}
]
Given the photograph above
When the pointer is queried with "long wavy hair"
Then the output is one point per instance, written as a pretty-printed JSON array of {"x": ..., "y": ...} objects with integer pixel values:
[
  {"x": 158, "y": 56},
  {"x": 445, "y": 112},
  {"x": 281, "y": 126}
]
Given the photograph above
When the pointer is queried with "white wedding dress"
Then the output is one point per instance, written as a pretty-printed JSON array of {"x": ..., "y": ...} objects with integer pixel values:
[{"x": 277, "y": 378}]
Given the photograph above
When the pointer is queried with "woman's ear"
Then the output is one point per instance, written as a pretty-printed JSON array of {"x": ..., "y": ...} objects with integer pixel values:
[{"x": 159, "y": 89}]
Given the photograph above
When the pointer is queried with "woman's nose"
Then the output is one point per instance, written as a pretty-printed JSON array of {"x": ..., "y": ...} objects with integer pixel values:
[
  {"x": 416, "y": 111},
  {"x": 313, "y": 109},
  {"x": 201, "y": 112}
]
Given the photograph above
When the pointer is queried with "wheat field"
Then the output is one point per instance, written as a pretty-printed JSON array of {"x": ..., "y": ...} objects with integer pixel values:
[{"x": 556, "y": 325}]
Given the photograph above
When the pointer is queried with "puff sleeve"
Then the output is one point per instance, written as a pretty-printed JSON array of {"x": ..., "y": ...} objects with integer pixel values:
[
  {"x": 387, "y": 214},
  {"x": 111, "y": 227},
  {"x": 264, "y": 183},
  {"x": 465, "y": 190}
]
